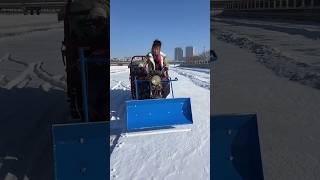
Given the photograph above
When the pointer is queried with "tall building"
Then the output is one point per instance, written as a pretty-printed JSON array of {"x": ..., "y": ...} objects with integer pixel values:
[
  {"x": 178, "y": 54},
  {"x": 189, "y": 51}
]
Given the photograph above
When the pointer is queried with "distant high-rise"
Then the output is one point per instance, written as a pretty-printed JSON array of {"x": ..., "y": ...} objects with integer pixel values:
[
  {"x": 178, "y": 54},
  {"x": 189, "y": 51}
]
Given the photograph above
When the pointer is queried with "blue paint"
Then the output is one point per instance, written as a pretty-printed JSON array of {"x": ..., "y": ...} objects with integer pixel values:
[
  {"x": 136, "y": 87},
  {"x": 235, "y": 148},
  {"x": 157, "y": 113},
  {"x": 81, "y": 151},
  {"x": 84, "y": 86},
  {"x": 171, "y": 89},
  {"x": 84, "y": 61}
]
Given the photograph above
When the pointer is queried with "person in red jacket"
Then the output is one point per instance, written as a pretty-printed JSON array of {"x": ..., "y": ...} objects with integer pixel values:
[{"x": 156, "y": 60}]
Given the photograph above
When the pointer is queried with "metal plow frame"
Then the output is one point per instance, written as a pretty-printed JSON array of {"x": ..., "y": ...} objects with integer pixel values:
[{"x": 81, "y": 150}]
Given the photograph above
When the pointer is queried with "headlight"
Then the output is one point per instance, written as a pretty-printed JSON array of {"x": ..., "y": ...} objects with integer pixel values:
[{"x": 156, "y": 80}]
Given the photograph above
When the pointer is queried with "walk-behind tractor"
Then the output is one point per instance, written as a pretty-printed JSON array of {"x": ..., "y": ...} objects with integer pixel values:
[
  {"x": 86, "y": 26},
  {"x": 149, "y": 109},
  {"x": 81, "y": 149}
]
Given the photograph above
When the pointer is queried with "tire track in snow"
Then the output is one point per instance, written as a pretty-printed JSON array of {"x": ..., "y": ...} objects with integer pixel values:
[
  {"x": 5, "y": 57},
  {"x": 9, "y": 58},
  {"x": 282, "y": 64},
  {"x": 24, "y": 32},
  {"x": 34, "y": 69},
  {"x": 120, "y": 92},
  {"x": 194, "y": 78},
  {"x": 24, "y": 75},
  {"x": 48, "y": 77},
  {"x": 3, "y": 80},
  {"x": 201, "y": 70},
  {"x": 120, "y": 84},
  {"x": 116, "y": 71},
  {"x": 25, "y": 82}
]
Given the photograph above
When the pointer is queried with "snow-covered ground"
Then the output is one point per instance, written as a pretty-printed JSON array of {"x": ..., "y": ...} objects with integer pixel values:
[
  {"x": 290, "y": 49},
  {"x": 181, "y": 155},
  {"x": 13, "y": 25},
  {"x": 256, "y": 63},
  {"x": 32, "y": 97}
]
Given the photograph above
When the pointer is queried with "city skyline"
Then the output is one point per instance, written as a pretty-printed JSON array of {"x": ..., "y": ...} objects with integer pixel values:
[
  {"x": 178, "y": 54},
  {"x": 182, "y": 52}
]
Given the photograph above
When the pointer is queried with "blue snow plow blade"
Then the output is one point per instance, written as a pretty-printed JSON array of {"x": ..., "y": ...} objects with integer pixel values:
[
  {"x": 158, "y": 113},
  {"x": 235, "y": 147},
  {"x": 81, "y": 151}
]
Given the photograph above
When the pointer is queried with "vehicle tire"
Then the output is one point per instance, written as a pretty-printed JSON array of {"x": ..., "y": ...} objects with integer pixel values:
[{"x": 165, "y": 89}]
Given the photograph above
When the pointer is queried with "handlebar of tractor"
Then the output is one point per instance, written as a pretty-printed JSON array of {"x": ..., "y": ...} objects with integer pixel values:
[{"x": 170, "y": 80}]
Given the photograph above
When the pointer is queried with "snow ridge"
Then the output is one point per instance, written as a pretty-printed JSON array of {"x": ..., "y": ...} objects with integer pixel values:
[
  {"x": 28, "y": 30},
  {"x": 273, "y": 59},
  {"x": 120, "y": 85},
  {"x": 195, "y": 78},
  {"x": 33, "y": 70}
]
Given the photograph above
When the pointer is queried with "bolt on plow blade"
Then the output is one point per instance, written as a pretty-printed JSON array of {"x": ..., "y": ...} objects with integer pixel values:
[
  {"x": 235, "y": 147},
  {"x": 81, "y": 151},
  {"x": 158, "y": 113}
]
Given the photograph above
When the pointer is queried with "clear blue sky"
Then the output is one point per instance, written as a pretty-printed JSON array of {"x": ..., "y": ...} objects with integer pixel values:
[{"x": 177, "y": 23}]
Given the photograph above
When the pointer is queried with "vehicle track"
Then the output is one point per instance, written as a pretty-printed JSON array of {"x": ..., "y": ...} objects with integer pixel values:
[
  {"x": 201, "y": 81},
  {"x": 33, "y": 72}
]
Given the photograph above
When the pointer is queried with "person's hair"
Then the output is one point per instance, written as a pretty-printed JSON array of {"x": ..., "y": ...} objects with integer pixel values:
[{"x": 156, "y": 42}]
